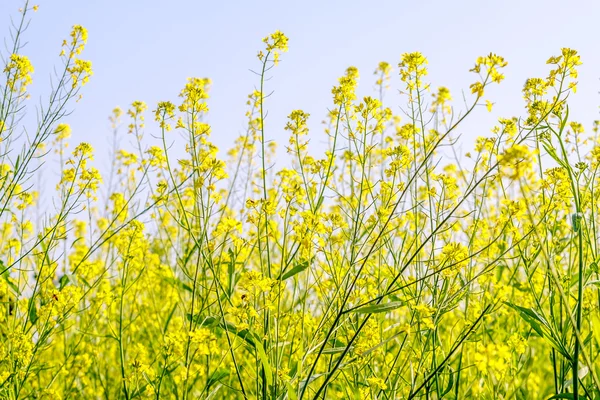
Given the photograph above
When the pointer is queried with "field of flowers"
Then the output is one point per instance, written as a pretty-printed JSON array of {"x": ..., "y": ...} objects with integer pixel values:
[{"x": 383, "y": 268}]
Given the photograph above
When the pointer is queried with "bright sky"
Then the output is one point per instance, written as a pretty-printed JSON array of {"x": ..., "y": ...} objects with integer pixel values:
[{"x": 145, "y": 50}]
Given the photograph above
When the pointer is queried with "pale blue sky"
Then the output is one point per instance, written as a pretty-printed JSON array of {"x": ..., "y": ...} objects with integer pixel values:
[{"x": 145, "y": 50}]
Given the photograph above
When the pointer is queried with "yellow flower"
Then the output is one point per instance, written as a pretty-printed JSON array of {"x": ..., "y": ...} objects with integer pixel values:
[
  {"x": 79, "y": 36},
  {"x": 62, "y": 131},
  {"x": 384, "y": 70},
  {"x": 345, "y": 92},
  {"x": 515, "y": 161},
  {"x": 377, "y": 383},
  {"x": 18, "y": 70},
  {"x": 477, "y": 88},
  {"x": 204, "y": 339},
  {"x": 194, "y": 95},
  {"x": 157, "y": 156},
  {"x": 83, "y": 150},
  {"x": 441, "y": 98},
  {"x": 517, "y": 343},
  {"x": 413, "y": 68},
  {"x": 80, "y": 71},
  {"x": 276, "y": 42}
]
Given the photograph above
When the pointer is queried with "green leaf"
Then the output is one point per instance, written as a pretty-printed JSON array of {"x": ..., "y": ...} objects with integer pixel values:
[
  {"x": 312, "y": 378},
  {"x": 562, "y": 396},
  {"x": 265, "y": 362},
  {"x": 576, "y": 219},
  {"x": 230, "y": 272},
  {"x": 295, "y": 270},
  {"x": 535, "y": 320},
  {"x": 290, "y": 391},
  {"x": 582, "y": 373},
  {"x": 245, "y": 334},
  {"x": 334, "y": 350},
  {"x": 214, "y": 392},
  {"x": 593, "y": 283},
  {"x": 596, "y": 327},
  {"x": 33, "y": 317},
  {"x": 10, "y": 283},
  {"x": 539, "y": 324},
  {"x": 217, "y": 376},
  {"x": 169, "y": 317},
  {"x": 450, "y": 382},
  {"x": 379, "y": 308},
  {"x": 204, "y": 321},
  {"x": 178, "y": 283},
  {"x": 64, "y": 281}
]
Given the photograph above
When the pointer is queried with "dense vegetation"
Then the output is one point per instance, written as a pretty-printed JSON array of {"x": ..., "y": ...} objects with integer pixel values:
[{"x": 383, "y": 268}]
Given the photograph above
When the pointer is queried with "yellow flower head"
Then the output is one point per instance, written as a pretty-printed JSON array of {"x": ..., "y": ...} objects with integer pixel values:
[
  {"x": 18, "y": 70},
  {"x": 62, "y": 131},
  {"x": 276, "y": 43},
  {"x": 79, "y": 37},
  {"x": 413, "y": 67}
]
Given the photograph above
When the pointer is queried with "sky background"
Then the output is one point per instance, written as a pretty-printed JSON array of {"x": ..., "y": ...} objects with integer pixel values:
[{"x": 145, "y": 50}]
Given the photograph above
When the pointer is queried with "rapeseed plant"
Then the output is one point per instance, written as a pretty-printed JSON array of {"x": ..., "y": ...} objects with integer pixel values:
[{"x": 381, "y": 268}]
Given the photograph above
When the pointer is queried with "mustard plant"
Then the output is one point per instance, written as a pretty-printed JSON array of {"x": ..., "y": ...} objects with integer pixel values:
[{"x": 385, "y": 265}]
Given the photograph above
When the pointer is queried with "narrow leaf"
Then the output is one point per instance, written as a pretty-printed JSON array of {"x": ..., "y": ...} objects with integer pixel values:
[
  {"x": 562, "y": 396},
  {"x": 379, "y": 308},
  {"x": 295, "y": 270},
  {"x": 265, "y": 362},
  {"x": 290, "y": 391}
]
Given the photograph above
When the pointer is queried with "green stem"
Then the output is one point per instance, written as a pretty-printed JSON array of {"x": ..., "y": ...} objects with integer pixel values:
[{"x": 579, "y": 303}]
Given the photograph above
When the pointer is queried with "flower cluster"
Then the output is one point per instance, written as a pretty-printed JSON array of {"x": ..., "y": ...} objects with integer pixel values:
[{"x": 385, "y": 264}]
